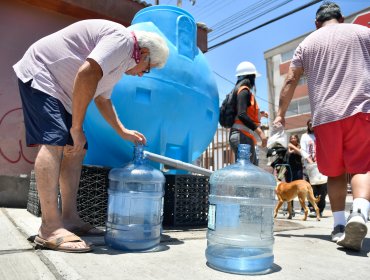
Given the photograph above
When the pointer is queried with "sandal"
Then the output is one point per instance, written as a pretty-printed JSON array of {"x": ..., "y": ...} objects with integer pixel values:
[{"x": 55, "y": 244}]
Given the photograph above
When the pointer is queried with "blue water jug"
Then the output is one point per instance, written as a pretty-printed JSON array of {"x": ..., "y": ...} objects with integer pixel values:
[
  {"x": 240, "y": 218},
  {"x": 135, "y": 205}
]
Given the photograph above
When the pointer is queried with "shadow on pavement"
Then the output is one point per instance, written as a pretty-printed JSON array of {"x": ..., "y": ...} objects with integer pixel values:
[
  {"x": 363, "y": 253},
  {"x": 105, "y": 250},
  {"x": 274, "y": 268}
]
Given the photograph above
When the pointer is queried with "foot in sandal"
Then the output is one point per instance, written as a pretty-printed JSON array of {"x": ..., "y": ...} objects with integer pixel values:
[
  {"x": 61, "y": 240},
  {"x": 63, "y": 244}
]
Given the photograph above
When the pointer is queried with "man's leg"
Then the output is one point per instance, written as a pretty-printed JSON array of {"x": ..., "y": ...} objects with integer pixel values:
[
  {"x": 47, "y": 168},
  {"x": 337, "y": 192},
  {"x": 361, "y": 186},
  {"x": 356, "y": 229},
  {"x": 69, "y": 182},
  {"x": 361, "y": 193}
]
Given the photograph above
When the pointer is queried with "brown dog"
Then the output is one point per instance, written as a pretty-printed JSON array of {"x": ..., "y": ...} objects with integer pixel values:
[{"x": 288, "y": 191}]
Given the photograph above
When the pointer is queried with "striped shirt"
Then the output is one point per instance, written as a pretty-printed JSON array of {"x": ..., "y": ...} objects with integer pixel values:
[
  {"x": 336, "y": 61},
  {"x": 53, "y": 61}
]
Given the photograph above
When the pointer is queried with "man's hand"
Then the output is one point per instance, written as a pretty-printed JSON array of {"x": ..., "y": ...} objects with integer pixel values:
[
  {"x": 79, "y": 141},
  {"x": 264, "y": 114},
  {"x": 262, "y": 136},
  {"x": 279, "y": 121},
  {"x": 134, "y": 136}
]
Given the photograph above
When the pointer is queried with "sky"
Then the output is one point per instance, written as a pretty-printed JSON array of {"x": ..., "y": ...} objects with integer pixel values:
[{"x": 224, "y": 59}]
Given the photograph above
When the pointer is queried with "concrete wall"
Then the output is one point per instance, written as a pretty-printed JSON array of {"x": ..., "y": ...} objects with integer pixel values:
[{"x": 14, "y": 190}]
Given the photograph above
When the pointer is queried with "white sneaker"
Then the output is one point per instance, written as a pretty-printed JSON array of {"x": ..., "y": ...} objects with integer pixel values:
[
  {"x": 355, "y": 232},
  {"x": 337, "y": 233}
]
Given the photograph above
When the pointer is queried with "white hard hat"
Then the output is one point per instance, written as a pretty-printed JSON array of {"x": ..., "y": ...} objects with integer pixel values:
[{"x": 246, "y": 68}]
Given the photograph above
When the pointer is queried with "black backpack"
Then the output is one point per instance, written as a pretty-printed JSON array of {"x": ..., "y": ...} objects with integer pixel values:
[{"x": 228, "y": 108}]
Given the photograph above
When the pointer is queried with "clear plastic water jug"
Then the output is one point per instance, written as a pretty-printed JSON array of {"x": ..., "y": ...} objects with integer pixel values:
[
  {"x": 135, "y": 205},
  {"x": 240, "y": 218}
]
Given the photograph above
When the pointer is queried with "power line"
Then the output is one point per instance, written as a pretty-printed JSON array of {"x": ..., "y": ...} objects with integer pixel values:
[
  {"x": 222, "y": 77},
  {"x": 206, "y": 11},
  {"x": 234, "y": 20},
  {"x": 236, "y": 26},
  {"x": 249, "y": 9},
  {"x": 264, "y": 24}
]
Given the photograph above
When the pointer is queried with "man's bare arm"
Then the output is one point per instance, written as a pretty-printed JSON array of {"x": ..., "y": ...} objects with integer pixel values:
[
  {"x": 286, "y": 93},
  {"x": 84, "y": 88}
]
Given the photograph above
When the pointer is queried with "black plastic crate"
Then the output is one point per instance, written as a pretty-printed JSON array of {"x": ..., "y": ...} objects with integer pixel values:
[
  {"x": 186, "y": 200},
  {"x": 33, "y": 201},
  {"x": 92, "y": 197}
]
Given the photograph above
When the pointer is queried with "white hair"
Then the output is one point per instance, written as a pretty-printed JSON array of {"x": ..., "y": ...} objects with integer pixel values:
[{"x": 156, "y": 44}]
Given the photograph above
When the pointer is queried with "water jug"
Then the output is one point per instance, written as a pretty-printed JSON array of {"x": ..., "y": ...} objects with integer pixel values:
[
  {"x": 240, "y": 218},
  {"x": 135, "y": 205}
]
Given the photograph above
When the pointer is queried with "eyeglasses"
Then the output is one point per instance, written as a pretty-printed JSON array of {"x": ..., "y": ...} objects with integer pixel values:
[{"x": 147, "y": 70}]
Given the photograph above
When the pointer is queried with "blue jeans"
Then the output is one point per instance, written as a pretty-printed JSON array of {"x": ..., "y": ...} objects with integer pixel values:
[{"x": 236, "y": 138}]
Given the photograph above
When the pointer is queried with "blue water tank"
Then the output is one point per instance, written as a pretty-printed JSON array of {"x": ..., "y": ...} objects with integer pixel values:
[{"x": 175, "y": 107}]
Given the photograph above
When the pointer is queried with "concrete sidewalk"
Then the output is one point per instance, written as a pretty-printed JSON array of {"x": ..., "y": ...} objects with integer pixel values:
[{"x": 302, "y": 250}]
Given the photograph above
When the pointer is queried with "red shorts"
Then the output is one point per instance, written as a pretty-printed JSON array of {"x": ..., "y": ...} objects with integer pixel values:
[{"x": 344, "y": 146}]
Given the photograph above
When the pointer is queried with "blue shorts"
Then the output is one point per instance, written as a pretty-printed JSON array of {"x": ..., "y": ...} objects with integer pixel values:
[{"x": 46, "y": 120}]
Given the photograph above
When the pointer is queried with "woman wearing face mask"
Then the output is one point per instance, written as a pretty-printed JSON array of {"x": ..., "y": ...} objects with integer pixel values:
[{"x": 247, "y": 125}]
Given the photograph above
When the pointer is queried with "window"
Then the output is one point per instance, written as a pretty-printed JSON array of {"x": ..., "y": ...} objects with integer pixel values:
[
  {"x": 286, "y": 56},
  {"x": 299, "y": 107},
  {"x": 302, "y": 80}
]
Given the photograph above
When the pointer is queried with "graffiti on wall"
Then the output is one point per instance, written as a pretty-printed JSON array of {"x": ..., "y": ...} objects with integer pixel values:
[{"x": 13, "y": 148}]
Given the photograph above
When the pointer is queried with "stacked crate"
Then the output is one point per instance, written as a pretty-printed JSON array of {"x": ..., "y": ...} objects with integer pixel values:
[
  {"x": 92, "y": 196},
  {"x": 33, "y": 202},
  {"x": 186, "y": 200}
]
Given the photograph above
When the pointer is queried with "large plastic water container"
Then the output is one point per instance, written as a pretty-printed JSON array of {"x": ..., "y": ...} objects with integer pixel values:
[
  {"x": 240, "y": 219},
  {"x": 175, "y": 107},
  {"x": 135, "y": 205}
]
